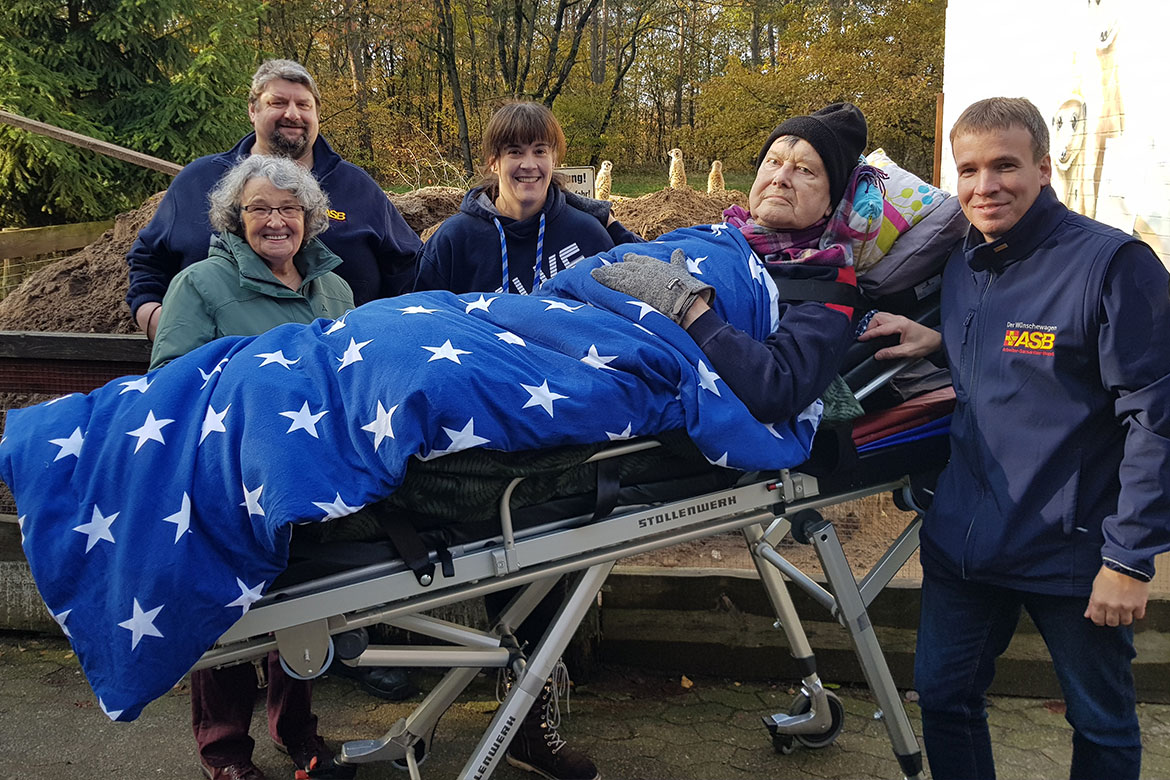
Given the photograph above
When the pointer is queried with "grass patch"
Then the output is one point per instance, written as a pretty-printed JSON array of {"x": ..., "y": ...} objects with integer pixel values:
[{"x": 632, "y": 184}]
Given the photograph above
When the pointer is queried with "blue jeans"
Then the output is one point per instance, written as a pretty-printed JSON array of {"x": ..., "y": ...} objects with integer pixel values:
[{"x": 965, "y": 626}]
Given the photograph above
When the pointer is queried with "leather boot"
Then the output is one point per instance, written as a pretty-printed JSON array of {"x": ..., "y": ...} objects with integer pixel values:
[{"x": 538, "y": 746}]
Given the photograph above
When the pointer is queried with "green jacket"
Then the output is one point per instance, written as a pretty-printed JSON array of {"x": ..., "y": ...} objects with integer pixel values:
[{"x": 233, "y": 293}]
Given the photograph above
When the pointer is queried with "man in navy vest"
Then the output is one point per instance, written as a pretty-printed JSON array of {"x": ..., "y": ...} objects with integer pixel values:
[
  {"x": 376, "y": 246},
  {"x": 1057, "y": 495}
]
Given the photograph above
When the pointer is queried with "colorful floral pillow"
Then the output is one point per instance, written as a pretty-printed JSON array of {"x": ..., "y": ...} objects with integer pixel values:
[{"x": 908, "y": 199}]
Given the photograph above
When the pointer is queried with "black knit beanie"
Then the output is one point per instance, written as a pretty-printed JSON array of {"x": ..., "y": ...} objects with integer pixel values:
[{"x": 837, "y": 132}]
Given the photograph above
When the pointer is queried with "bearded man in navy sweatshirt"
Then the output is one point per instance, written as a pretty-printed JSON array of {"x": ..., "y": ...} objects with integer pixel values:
[{"x": 376, "y": 246}]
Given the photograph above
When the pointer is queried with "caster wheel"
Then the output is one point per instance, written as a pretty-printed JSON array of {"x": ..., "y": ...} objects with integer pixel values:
[
  {"x": 783, "y": 744},
  {"x": 802, "y": 704},
  {"x": 328, "y": 660}
]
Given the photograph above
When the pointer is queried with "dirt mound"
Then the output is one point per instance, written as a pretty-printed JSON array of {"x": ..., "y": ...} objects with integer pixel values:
[
  {"x": 425, "y": 208},
  {"x": 85, "y": 292},
  {"x": 661, "y": 212},
  {"x": 82, "y": 293}
]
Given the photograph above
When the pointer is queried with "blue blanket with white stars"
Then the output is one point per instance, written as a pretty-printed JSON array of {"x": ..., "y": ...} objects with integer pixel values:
[{"x": 156, "y": 509}]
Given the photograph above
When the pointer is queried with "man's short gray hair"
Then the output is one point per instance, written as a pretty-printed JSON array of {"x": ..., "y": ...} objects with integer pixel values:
[
  {"x": 1002, "y": 113},
  {"x": 284, "y": 174},
  {"x": 281, "y": 69}
]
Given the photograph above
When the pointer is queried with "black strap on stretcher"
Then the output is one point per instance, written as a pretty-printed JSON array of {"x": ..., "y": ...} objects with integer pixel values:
[
  {"x": 409, "y": 545},
  {"x": 819, "y": 291}
]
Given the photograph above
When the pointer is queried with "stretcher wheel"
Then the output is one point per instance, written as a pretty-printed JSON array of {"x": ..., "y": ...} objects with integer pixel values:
[
  {"x": 801, "y": 704},
  {"x": 328, "y": 660},
  {"x": 803, "y": 522},
  {"x": 782, "y": 743}
]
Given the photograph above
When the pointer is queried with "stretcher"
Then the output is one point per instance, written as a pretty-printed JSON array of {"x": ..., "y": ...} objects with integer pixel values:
[{"x": 311, "y": 622}]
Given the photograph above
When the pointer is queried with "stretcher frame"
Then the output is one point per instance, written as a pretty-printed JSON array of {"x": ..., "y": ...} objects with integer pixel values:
[{"x": 301, "y": 621}]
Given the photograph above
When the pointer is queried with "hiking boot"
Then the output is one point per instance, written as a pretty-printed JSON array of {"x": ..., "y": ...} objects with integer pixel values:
[
  {"x": 245, "y": 770},
  {"x": 314, "y": 759},
  {"x": 538, "y": 746}
]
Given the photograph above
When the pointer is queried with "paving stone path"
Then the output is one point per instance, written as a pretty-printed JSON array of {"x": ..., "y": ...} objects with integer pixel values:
[{"x": 633, "y": 723}]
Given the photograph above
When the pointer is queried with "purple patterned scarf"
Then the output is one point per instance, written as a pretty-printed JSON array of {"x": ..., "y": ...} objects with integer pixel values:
[{"x": 825, "y": 242}]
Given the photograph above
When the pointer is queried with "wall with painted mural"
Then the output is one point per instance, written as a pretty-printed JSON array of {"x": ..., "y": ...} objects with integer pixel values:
[{"x": 1098, "y": 70}]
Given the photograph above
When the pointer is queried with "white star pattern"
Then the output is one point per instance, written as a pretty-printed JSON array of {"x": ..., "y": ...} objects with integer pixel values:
[
  {"x": 141, "y": 623},
  {"x": 353, "y": 354},
  {"x": 693, "y": 265},
  {"x": 722, "y": 461},
  {"x": 213, "y": 422},
  {"x": 304, "y": 420},
  {"x": 61, "y": 617},
  {"x": 20, "y": 525},
  {"x": 60, "y": 398},
  {"x": 70, "y": 446},
  {"x": 151, "y": 430},
  {"x": 758, "y": 270},
  {"x": 217, "y": 370},
  {"x": 643, "y": 329},
  {"x": 707, "y": 378},
  {"x": 141, "y": 384},
  {"x": 510, "y": 338},
  {"x": 599, "y": 361},
  {"x": 626, "y": 434},
  {"x": 252, "y": 500},
  {"x": 336, "y": 508},
  {"x": 446, "y": 352},
  {"x": 248, "y": 596},
  {"x": 812, "y": 412},
  {"x": 417, "y": 310},
  {"x": 772, "y": 430},
  {"x": 381, "y": 426},
  {"x": 464, "y": 439},
  {"x": 483, "y": 304},
  {"x": 542, "y": 397},
  {"x": 111, "y": 714},
  {"x": 97, "y": 529},
  {"x": 643, "y": 308},
  {"x": 718, "y": 229},
  {"x": 181, "y": 519},
  {"x": 560, "y": 305},
  {"x": 278, "y": 358},
  {"x": 337, "y": 325}
]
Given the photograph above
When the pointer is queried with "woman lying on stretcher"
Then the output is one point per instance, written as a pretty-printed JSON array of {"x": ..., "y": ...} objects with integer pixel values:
[{"x": 803, "y": 171}]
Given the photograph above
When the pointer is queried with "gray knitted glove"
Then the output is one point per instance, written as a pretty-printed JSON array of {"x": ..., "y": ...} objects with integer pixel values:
[{"x": 668, "y": 287}]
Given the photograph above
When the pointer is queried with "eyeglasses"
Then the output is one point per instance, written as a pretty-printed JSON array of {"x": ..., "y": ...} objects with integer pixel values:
[{"x": 264, "y": 212}]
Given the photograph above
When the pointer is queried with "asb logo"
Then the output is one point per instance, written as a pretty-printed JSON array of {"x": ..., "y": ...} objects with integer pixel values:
[
  {"x": 1029, "y": 341},
  {"x": 337, "y": 215}
]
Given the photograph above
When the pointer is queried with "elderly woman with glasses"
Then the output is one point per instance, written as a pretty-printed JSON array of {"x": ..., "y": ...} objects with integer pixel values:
[{"x": 265, "y": 265}]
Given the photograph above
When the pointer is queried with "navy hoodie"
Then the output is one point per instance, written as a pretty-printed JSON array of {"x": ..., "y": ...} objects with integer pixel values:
[
  {"x": 376, "y": 246},
  {"x": 465, "y": 255}
]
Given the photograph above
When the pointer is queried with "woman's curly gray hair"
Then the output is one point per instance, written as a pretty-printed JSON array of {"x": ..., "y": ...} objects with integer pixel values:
[{"x": 284, "y": 174}]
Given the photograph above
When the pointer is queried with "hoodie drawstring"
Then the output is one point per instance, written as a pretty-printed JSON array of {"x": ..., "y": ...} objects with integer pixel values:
[{"x": 504, "y": 255}]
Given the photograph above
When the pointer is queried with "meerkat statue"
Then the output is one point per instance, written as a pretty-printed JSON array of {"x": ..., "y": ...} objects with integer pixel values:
[
  {"x": 715, "y": 178},
  {"x": 678, "y": 174},
  {"x": 604, "y": 180}
]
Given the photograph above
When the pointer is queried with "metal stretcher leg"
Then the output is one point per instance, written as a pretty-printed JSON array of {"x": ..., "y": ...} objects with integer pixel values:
[
  {"x": 853, "y": 615},
  {"x": 407, "y": 743},
  {"x": 821, "y": 715},
  {"x": 582, "y": 593}
]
